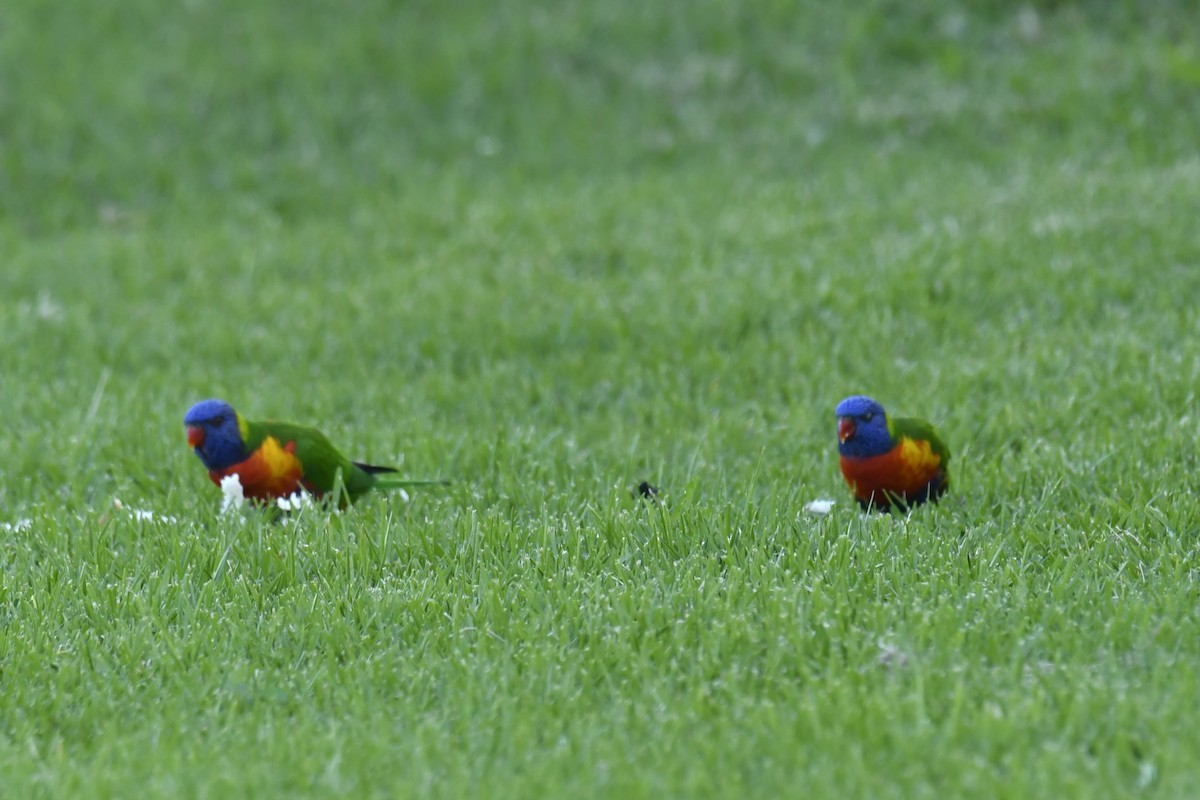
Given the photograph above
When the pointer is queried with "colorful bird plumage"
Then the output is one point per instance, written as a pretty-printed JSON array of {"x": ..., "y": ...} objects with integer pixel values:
[
  {"x": 277, "y": 459},
  {"x": 889, "y": 463}
]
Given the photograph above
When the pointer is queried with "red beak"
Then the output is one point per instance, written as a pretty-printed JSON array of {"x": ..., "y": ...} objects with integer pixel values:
[
  {"x": 845, "y": 428},
  {"x": 195, "y": 436}
]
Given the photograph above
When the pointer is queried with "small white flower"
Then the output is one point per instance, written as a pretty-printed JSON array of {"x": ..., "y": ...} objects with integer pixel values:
[
  {"x": 232, "y": 496},
  {"x": 819, "y": 507},
  {"x": 142, "y": 514},
  {"x": 22, "y": 524},
  {"x": 46, "y": 308},
  {"x": 295, "y": 501},
  {"x": 49, "y": 309}
]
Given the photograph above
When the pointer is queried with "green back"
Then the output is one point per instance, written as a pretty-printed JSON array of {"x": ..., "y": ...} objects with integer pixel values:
[
  {"x": 915, "y": 428},
  {"x": 320, "y": 459}
]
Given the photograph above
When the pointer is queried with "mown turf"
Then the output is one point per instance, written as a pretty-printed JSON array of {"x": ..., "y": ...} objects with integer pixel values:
[{"x": 550, "y": 250}]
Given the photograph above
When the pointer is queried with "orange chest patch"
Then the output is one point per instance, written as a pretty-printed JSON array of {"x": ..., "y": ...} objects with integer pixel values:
[
  {"x": 906, "y": 469},
  {"x": 271, "y": 471}
]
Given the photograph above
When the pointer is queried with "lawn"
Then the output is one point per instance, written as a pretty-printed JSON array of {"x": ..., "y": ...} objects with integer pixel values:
[{"x": 551, "y": 250}]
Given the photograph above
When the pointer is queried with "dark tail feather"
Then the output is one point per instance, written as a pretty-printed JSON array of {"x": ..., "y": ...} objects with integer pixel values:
[
  {"x": 388, "y": 482},
  {"x": 395, "y": 483},
  {"x": 372, "y": 469}
]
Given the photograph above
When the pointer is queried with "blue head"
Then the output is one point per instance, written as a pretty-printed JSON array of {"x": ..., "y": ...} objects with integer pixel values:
[
  {"x": 862, "y": 428},
  {"x": 214, "y": 430}
]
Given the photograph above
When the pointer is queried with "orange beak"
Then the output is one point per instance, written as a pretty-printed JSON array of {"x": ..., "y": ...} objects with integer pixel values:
[
  {"x": 845, "y": 429},
  {"x": 195, "y": 436}
]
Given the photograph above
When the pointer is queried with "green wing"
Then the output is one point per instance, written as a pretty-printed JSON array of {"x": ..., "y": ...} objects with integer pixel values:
[
  {"x": 317, "y": 455},
  {"x": 920, "y": 429}
]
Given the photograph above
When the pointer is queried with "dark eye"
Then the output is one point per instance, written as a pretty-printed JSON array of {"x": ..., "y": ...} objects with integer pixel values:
[
  {"x": 218, "y": 422},
  {"x": 867, "y": 417}
]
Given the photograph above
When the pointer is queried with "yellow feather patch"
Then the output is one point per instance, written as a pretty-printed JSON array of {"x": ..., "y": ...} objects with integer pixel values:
[
  {"x": 280, "y": 462},
  {"x": 917, "y": 460}
]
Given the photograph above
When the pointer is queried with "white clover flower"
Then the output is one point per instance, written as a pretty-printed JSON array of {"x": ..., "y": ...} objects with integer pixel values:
[
  {"x": 819, "y": 507},
  {"x": 232, "y": 496}
]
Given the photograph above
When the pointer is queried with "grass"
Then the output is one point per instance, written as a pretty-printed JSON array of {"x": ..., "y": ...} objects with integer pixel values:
[{"x": 551, "y": 250}]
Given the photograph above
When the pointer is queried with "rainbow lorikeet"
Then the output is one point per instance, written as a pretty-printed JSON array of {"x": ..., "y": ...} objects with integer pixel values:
[
  {"x": 889, "y": 462},
  {"x": 276, "y": 459}
]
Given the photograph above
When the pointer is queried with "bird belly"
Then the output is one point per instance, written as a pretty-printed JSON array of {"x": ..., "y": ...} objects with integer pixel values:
[
  {"x": 271, "y": 471},
  {"x": 909, "y": 471}
]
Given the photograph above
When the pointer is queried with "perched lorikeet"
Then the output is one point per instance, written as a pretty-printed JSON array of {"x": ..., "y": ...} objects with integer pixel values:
[
  {"x": 889, "y": 462},
  {"x": 275, "y": 459}
]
